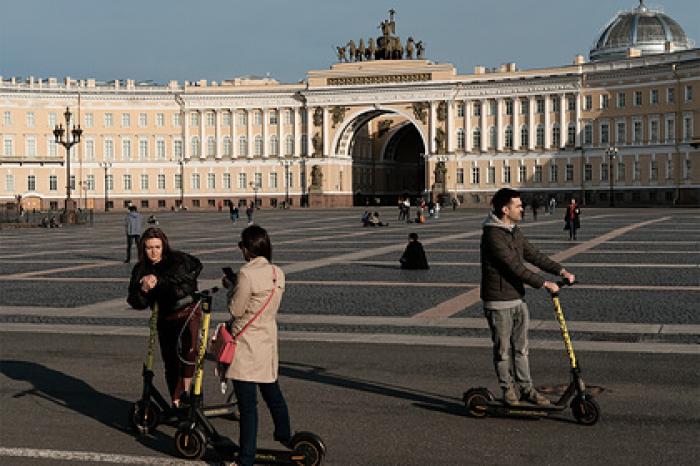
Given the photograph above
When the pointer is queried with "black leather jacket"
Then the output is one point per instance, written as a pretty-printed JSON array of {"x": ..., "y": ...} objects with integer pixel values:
[{"x": 177, "y": 277}]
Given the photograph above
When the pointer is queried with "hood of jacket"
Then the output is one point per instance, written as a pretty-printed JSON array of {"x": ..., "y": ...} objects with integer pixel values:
[{"x": 492, "y": 221}]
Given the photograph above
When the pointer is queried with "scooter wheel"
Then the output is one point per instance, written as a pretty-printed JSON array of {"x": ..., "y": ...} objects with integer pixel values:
[
  {"x": 144, "y": 417},
  {"x": 311, "y": 446},
  {"x": 190, "y": 443},
  {"x": 475, "y": 400},
  {"x": 585, "y": 410}
]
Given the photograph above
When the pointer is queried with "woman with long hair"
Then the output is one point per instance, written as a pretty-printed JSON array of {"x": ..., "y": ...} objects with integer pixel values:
[
  {"x": 253, "y": 302},
  {"x": 163, "y": 276}
]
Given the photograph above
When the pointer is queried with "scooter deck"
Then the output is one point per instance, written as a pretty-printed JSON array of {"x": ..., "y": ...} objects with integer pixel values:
[{"x": 523, "y": 408}]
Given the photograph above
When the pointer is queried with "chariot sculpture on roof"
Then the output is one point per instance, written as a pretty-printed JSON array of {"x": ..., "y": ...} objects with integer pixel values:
[{"x": 388, "y": 46}]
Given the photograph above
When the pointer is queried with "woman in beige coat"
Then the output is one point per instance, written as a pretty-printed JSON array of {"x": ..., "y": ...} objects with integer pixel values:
[{"x": 259, "y": 286}]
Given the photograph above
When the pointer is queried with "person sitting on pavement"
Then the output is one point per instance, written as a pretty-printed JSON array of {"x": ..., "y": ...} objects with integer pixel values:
[
  {"x": 504, "y": 251},
  {"x": 365, "y": 219},
  {"x": 375, "y": 222},
  {"x": 413, "y": 257}
]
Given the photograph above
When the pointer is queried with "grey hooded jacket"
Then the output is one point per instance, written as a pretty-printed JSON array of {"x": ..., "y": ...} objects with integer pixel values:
[
  {"x": 504, "y": 251},
  {"x": 133, "y": 223}
]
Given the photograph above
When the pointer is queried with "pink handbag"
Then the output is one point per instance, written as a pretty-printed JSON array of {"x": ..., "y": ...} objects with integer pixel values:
[{"x": 223, "y": 346}]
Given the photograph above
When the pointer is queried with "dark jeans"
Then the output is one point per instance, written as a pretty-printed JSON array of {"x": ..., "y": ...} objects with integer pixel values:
[
  {"x": 246, "y": 394},
  {"x": 129, "y": 239},
  {"x": 168, "y": 333},
  {"x": 572, "y": 232}
]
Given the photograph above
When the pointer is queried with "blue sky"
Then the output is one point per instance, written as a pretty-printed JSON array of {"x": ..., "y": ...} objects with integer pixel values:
[{"x": 162, "y": 40}]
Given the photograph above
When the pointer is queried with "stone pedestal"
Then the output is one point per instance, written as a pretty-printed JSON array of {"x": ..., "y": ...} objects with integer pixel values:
[{"x": 69, "y": 215}]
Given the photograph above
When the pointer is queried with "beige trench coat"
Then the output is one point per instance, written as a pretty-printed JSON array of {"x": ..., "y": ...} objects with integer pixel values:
[{"x": 256, "y": 358}]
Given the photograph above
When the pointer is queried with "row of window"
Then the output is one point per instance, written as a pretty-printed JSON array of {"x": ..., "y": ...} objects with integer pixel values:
[
  {"x": 637, "y": 98},
  {"x": 537, "y": 172},
  {"x": 127, "y": 150},
  {"x": 195, "y": 182},
  {"x": 108, "y": 119}
]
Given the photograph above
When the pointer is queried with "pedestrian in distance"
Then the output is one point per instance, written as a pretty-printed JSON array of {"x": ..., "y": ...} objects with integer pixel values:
[
  {"x": 164, "y": 276},
  {"x": 413, "y": 257},
  {"x": 232, "y": 211},
  {"x": 552, "y": 205},
  {"x": 407, "y": 210},
  {"x": 253, "y": 303},
  {"x": 437, "y": 210},
  {"x": 571, "y": 219},
  {"x": 249, "y": 213},
  {"x": 402, "y": 211},
  {"x": 133, "y": 224},
  {"x": 454, "y": 203},
  {"x": 535, "y": 205},
  {"x": 504, "y": 252}
]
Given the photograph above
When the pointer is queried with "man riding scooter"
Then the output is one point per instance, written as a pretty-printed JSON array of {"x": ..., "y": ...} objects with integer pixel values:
[{"x": 504, "y": 251}]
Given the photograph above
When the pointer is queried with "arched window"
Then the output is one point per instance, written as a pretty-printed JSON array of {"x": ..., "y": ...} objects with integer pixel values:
[
  {"x": 211, "y": 146},
  {"x": 195, "y": 146},
  {"x": 588, "y": 134},
  {"x": 556, "y": 136},
  {"x": 289, "y": 145},
  {"x": 460, "y": 138},
  {"x": 540, "y": 136},
  {"x": 243, "y": 146},
  {"x": 509, "y": 137},
  {"x": 492, "y": 137},
  {"x": 571, "y": 134},
  {"x": 258, "y": 145},
  {"x": 274, "y": 145},
  {"x": 227, "y": 146},
  {"x": 476, "y": 137},
  {"x": 524, "y": 136}
]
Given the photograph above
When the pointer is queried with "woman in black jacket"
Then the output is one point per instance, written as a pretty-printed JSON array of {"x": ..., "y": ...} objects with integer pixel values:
[{"x": 163, "y": 276}]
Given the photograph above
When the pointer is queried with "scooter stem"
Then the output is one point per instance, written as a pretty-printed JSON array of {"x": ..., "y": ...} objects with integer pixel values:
[{"x": 564, "y": 331}]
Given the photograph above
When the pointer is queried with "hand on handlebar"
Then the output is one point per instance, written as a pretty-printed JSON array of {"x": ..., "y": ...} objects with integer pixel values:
[
  {"x": 551, "y": 287},
  {"x": 569, "y": 278}
]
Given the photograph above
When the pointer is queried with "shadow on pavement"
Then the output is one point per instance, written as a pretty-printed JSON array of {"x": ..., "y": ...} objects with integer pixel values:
[
  {"x": 421, "y": 399},
  {"x": 79, "y": 396}
]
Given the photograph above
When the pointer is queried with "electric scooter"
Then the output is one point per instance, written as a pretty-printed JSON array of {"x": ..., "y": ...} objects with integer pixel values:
[
  {"x": 480, "y": 402},
  {"x": 195, "y": 431},
  {"x": 153, "y": 409}
]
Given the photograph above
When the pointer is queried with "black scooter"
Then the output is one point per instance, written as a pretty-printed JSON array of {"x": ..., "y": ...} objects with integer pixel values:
[
  {"x": 480, "y": 402},
  {"x": 153, "y": 409},
  {"x": 195, "y": 431}
]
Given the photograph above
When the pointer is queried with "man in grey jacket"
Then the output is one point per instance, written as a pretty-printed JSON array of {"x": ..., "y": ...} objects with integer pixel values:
[
  {"x": 133, "y": 224},
  {"x": 504, "y": 251}
]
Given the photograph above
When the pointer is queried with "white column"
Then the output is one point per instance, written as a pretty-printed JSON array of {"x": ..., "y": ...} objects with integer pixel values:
[
  {"x": 265, "y": 132},
  {"x": 185, "y": 135},
  {"x": 202, "y": 140},
  {"x": 484, "y": 128},
  {"x": 297, "y": 131},
  {"x": 433, "y": 127},
  {"x": 516, "y": 123},
  {"x": 309, "y": 131},
  {"x": 249, "y": 131},
  {"x": 234, "y": 143},
  {"x": 547, "y": 122},
  {"x": 499, "y": 124},
  {"x": 281, "y": 146},
  {"x": 467, "y": 126},
  {"x": 326, "y": 142},
  {"x": 217, "y": 135},
  {"x": 577, "y": 143},
  {"x": 532, "y": 127},
  {"x": 563, "y": 127},
  {"x": 450, "y": 127}
]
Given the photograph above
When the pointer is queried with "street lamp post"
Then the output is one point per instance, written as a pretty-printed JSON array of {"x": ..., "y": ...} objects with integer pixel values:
[
  {"x": 255, "y": 187},
  {"x": 426, "y": 169},
  {"x": 181, "y": 162},
  {"x": 286, "y": 164},
  {"x": 304, "y": 201},
  {"x": 106, "y": 166},
  {"x": 72, "y": 137},
  {"x": 612, "y": 155}
]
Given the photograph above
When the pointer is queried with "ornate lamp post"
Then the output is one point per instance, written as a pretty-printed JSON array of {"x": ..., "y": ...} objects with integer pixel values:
[
  {"x": 426, "y": 170},
  {"x": 286, "y": 163},
  {"x": 612, "y": 156},
  {"x": 68, "y": 142},
  {"x": 304, "y": 201},
  {"x": 106, "y": 166}
]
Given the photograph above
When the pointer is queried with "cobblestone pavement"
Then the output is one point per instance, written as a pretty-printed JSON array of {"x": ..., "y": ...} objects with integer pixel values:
[{"x": 635, "y": 267}]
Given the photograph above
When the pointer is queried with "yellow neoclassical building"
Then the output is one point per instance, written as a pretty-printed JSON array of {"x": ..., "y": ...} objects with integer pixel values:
[{"x": 379, "y": 124}]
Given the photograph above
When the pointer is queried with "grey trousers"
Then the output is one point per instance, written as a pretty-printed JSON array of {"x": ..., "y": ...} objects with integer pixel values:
[{"x": 509, "y": 329}]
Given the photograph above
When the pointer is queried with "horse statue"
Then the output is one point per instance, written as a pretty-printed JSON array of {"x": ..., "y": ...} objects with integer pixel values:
[
  {"x": 360, "y": 50},
  {"x": 341, "y": 54},
  {"x": 420, "y": 50},
  {"x": 410, "y": 47},
  {"x": 352, "y": 49},
  {"x": 371, "y": 49}
]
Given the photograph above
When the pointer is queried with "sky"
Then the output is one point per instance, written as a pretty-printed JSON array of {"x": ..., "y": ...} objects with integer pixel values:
[{"x": 163, "y": 40}]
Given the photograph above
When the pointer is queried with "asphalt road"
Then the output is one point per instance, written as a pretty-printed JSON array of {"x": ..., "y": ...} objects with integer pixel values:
[{"x": 373, "y": 404}]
